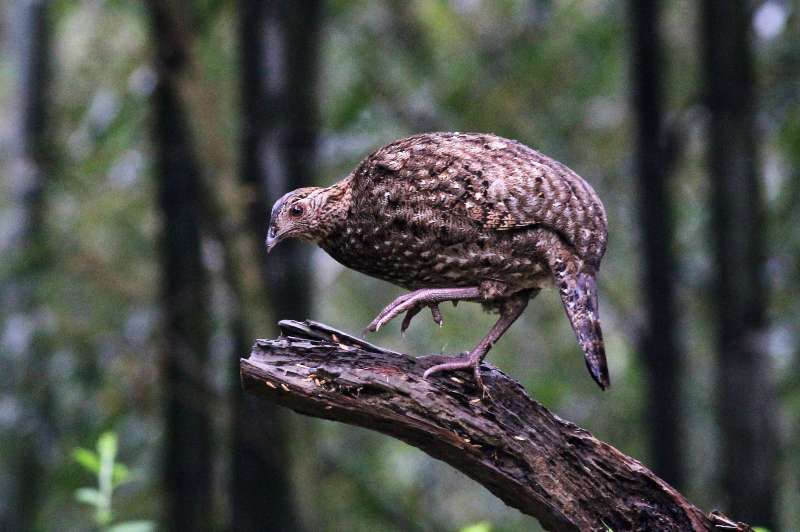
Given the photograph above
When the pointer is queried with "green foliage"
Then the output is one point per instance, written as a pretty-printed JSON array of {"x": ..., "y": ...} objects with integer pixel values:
[
  {"x": 482, "y": 526},
  {"x": 110, "y": 475}
]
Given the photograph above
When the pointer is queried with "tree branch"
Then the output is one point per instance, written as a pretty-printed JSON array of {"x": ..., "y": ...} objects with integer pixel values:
[{"x": 531, "y": 459}]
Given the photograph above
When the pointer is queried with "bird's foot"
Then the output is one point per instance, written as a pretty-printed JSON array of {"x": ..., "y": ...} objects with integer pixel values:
[
  {"x": 436, "y": 314},
  {"x": 465, "y": 361},
  {"x": 397, "y": 307},
  {"x": 412, "y": 302}
]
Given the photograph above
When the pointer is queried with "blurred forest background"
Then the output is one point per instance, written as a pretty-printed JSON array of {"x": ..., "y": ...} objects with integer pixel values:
[{"x": 142, "y": 144}]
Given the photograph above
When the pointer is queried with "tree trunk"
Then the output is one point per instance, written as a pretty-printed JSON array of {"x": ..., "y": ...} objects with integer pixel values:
[
  {"x": 659, "y": 345},
  {"x": 27, "y": 251},
  {"x": 747, "y": 406},
  {"x": 279, "y": 54},
  {"x": 531, "y": 459},
  {"x": 185, "y": 297}
]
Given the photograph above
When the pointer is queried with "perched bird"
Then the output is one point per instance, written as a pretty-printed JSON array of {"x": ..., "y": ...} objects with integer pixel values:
[{"x": 462, "y": 217}]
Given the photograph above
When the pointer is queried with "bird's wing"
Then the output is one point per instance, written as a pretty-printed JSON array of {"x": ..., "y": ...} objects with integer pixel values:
[{"x": 496, "y": 183}]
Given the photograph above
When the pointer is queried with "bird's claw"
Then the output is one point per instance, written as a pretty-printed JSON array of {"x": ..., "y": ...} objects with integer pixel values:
[
  {"x": 374, "y": 326},
  {"x": 411, "y": 309},
  {"x": 436, "y": 314},
  {"x": 407, "y": 319},
  {"x": 465, "y": 361}
]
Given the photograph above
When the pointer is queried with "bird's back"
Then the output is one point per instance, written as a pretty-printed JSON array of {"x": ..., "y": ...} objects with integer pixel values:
[{"x": 463, "y": 183}]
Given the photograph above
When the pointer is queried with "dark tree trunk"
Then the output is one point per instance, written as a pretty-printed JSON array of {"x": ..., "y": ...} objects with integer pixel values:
[
  {"x": 659, "y": 345},
  {"x": 28, "y": 253},
  {"x": 747, "y": 408},
  {"x": 279, "y": 54},
  {"x": 185, "y": 298}
]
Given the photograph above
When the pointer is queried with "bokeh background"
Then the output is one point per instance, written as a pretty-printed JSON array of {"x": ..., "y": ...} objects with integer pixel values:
[{"x": 142, "y": 144}]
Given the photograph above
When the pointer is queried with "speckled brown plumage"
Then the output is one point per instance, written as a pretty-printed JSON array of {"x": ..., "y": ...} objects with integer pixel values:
[{"x": 461, "y": 216}]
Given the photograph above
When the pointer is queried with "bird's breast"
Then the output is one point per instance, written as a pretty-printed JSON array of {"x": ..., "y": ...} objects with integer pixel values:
[{"x": 438, "y": 255}]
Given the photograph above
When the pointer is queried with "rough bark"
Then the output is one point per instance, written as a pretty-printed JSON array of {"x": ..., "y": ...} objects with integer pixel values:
[
  {"x": 279, "y": 53},
  {"x": 184, "y": 292},
  {"x": 533, "y": 460},
  {"x": 746, "y": 402},
  {"x": 659, "y": 345}
]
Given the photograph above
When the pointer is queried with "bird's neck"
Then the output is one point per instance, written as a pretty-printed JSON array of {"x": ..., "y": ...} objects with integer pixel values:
[{"x": 336, "y": 200}]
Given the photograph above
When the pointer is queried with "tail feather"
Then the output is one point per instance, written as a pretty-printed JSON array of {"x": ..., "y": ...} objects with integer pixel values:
[{"x": 579, "y": 296}]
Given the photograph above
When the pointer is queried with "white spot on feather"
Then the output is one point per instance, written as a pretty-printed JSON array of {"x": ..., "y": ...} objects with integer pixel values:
[{"x": 495, "y": 145}]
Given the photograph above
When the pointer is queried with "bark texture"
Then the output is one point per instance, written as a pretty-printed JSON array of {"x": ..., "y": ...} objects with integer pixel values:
[{"x": 531, "y": 459}]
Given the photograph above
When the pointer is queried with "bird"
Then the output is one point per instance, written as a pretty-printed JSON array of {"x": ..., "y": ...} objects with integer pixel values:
[{"x": 455, "y": 217}]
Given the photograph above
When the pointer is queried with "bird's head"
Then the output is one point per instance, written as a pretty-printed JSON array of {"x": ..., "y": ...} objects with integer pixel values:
[
  {"x": 306, "y": 213},
  {"x": 293, "y": 216}
]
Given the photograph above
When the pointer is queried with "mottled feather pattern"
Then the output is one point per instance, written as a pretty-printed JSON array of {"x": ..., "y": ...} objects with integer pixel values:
[
  {"x": 498, "y": 183},
  {"x": 450, "y": 210}
]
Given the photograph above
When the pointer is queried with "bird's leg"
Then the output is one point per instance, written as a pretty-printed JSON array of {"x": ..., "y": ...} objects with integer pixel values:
[
  {"x": 418, "y": 299},
  {"x": 510, "y": 310}
]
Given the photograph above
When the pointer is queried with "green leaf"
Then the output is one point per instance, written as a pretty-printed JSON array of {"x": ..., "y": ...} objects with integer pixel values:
[
  {"x": 482, "y": 526},
  {"x": 120, "y": 474},
  {"x": 89, "y": 496},
  {"x": 107, "y": 445},
  {"x": 87, "y": 458},
  {"x": 132, "y": 526},
  {"x": 103, "y": 516}
]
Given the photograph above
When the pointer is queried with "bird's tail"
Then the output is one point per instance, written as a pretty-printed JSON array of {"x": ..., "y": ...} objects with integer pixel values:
[{"x": 579, "y": 296}]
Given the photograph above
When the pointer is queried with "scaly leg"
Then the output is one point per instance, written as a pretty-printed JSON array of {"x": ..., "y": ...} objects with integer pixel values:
[
  {"x": 510, "y": 310},
  {"x": 412, "y": 302}
]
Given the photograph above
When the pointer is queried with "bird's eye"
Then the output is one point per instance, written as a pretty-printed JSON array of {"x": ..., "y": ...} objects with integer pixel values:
[{"x": 296, "y": 210}]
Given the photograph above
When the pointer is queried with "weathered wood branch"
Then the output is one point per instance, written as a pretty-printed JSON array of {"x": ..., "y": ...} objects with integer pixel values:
[{"x": 533, "y": 460}]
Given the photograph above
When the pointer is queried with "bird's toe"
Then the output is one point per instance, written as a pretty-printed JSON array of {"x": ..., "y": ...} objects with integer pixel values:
[
  {"x": 444, "y": 363},
  {"x": 436, "y": 314},
  {"x": 407, "y": 319}
]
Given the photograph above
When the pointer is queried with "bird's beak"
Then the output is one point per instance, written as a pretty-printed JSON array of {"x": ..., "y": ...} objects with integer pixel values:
[{"x": 272, "y": 239}]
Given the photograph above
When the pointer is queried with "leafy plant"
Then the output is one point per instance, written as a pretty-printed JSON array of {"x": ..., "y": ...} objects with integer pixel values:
[
  {"x": 110, "y": 475},
  {"x": 482, "y": 526}
]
